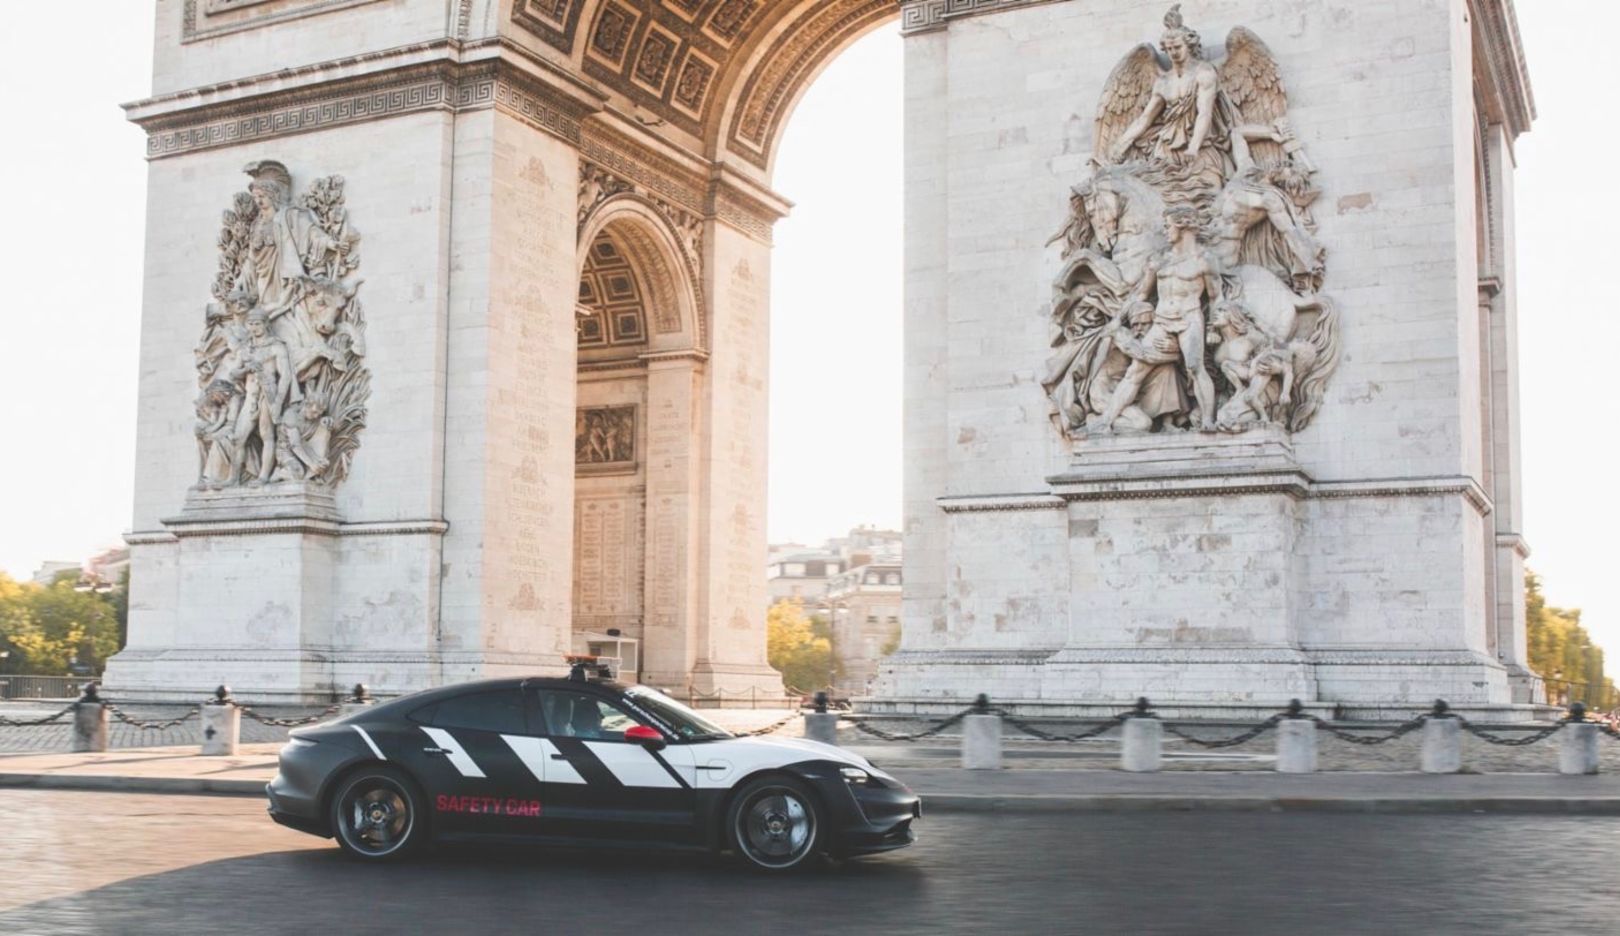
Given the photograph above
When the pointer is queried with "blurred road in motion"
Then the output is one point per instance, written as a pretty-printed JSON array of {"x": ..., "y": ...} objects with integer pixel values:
[{"x": 111, "y": 863}]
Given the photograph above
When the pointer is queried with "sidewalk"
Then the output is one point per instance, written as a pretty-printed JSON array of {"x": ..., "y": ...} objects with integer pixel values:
[{"x": 181, "y": 770}]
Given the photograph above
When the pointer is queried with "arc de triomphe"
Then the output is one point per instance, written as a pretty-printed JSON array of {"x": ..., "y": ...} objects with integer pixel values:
[{"x": 455, "y": 335}]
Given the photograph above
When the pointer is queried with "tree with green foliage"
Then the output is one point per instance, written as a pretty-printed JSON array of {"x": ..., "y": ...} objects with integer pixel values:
[
  {"x": 1562, "y": 652},
  {"x": 798, "y": 648},
  {"x": 46, "y": 630}
]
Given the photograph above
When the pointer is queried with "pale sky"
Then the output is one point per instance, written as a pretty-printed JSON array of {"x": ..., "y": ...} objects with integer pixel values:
[{"x": 72, "y": 261}]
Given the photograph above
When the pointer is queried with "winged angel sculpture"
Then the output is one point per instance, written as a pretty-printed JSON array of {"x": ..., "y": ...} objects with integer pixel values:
[
  {"x": 280, "y": 367},
  {"x": 1189, "y": 296}
]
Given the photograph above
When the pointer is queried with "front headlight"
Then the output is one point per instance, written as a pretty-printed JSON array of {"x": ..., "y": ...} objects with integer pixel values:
[{"x": 855, "y": 776}]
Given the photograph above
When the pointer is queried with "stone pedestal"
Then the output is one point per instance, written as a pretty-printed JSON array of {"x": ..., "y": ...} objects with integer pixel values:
[
  {"x": 1296, "y": 746},
  {"x": 90, "y": 722},
  {"x": 981, "y": 742},
  {"x": 821, "y": 726},
  {"x": 221, "y": 728},
  {"x": 1141, "y": 745},
  {"x": 1578, "y": 748},
  {"x": 1442, "y": 746}
]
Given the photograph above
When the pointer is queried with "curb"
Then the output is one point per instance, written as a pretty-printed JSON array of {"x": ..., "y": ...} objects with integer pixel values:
[
  {"x": 978, "y": 802},
  {"x": 181, "y": 786},
  {"x": 1391, "y": 805}
]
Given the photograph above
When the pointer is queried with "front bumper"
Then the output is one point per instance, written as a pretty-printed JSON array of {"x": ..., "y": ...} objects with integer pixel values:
[{"x": 871, "y": 818}]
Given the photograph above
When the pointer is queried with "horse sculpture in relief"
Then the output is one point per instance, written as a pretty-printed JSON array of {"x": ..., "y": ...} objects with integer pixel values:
[{"x": 1208, "y": 143}]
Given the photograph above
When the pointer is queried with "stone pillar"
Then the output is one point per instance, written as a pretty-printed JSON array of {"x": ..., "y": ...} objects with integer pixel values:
[
  {"x": 1141, "y": 745},
  {"x": 1296, "y": 746},
  {"x": 221, "y": 728},
  {"x": 674, "y": 392},
  {"x": 729, "y": 632},
  {"x": 821, "y": 726},
  {"x": 90, "y": 727},
  {"x": 1578, "y": 748},
  {"x": 981, "y": 742},
  {"x": 1442, "y": 746}
]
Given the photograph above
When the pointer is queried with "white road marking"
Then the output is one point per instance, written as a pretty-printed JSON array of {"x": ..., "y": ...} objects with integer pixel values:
[{"x": 454, "y": 750}]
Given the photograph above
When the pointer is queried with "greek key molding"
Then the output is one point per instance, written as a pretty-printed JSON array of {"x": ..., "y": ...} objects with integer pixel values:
[{"x": 927, "y": 15}]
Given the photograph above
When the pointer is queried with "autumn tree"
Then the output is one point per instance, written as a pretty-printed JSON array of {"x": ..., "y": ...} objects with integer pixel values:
[{"x": 797, "y": 648}]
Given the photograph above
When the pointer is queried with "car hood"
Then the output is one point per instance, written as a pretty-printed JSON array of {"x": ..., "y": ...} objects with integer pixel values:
[{"x": 790, "y": 749}]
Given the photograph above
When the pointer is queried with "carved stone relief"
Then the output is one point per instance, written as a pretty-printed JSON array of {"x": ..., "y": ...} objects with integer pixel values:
[
  {"x": 280, "y": 368},
  {"x": 1189, "y": 292},
  {"x": 605, "y": 436},
  {"x": 597, "y": 185}
]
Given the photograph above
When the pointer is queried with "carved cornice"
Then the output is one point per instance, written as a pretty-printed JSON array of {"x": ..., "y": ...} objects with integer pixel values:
[
  {"x": 1515, "y": 542},
  {"x": 1501, "y": 63},
  {"x": 316, "y": 526},
  {"x": 999, "y": 503},
  {"x": 444, "y": 84},
  {"x": 1215, "y": 484}
]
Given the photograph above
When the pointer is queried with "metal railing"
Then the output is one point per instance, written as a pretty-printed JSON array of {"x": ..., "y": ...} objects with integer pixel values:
[{"x": 39, "y": 687}]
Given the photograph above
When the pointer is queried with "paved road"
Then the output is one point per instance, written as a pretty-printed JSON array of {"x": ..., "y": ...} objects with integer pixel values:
[{"x": 109, "y": 863}]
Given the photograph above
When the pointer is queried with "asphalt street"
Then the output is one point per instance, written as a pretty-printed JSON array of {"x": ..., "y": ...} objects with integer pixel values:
[{"x": 112, "y": 863}]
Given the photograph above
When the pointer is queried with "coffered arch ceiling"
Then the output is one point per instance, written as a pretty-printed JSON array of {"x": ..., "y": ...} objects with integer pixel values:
[{"x": 725, "y": 71}]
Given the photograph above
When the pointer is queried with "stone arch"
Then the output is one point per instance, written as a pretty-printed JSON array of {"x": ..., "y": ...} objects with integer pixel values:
[
  {"x": 765, "y": 84},
  {"x": 667, "y": 265},
  {"x": 725, "y": 73}
]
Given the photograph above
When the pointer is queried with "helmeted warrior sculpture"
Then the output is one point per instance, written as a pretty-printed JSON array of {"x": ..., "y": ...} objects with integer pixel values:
[
  {"x": 280, "y": 366},
  {"x": 1193, "y": 233}
]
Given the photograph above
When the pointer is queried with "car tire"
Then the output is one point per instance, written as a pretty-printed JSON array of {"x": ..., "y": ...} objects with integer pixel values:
[
  {"x": 379, "y": 814},
  {"x": 775, "y": 824}
]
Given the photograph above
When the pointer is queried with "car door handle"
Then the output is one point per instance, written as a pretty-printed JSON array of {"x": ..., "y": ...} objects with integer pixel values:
[
  {"x": 714, "y": 766},
  {"x": 434, "y": 750},
  {"x": 559, "y": 757}
]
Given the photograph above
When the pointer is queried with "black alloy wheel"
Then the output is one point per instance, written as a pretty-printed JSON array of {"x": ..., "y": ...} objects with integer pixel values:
[
  {"x": 775, "y": 824},
  {"x": 378, "y": 815}
]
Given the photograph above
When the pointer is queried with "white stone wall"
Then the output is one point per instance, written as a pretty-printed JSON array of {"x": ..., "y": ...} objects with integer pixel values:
[
  {"x": 1266, "y": 585},
  {"x": 290, "y": 34}
]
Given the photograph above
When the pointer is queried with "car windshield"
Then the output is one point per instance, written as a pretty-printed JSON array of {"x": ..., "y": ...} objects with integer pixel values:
[{"x": 685, "y": 723}]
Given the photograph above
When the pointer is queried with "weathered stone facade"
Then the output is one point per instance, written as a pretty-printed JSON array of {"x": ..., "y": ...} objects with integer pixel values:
[
  {"x": 1369, "y": 554},
  {"x": 567, "y": 215}
]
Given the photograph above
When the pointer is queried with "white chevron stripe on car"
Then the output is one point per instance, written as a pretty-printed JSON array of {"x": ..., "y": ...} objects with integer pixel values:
[
  {"x": 369, "y": 743},
  {"x": 536, "y": 754},
  {"x": 633, "y": 764},
  {"x": 454, "y": 750}
]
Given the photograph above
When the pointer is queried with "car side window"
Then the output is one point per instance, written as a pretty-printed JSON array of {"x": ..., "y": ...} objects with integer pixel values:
[
  {"x": 582, "y": 715},
  {"x": 501, "y": 711}
]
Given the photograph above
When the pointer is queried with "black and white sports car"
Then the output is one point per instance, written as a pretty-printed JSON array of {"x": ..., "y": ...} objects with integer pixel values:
[{"x": 578, "y": 761}]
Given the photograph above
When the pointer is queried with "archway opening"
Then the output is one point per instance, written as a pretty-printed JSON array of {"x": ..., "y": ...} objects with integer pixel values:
[{"x": 836, "y": 361}]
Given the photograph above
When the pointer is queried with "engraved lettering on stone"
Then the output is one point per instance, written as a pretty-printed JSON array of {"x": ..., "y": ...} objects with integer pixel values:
[
  {"x": 280, "y": 367},
  {"x": 1189, "y": 295},
  {"x": 605, "y": 435}
]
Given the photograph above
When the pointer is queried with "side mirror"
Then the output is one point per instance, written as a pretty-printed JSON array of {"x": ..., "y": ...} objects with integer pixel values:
[{"x": 647, "y": 737}]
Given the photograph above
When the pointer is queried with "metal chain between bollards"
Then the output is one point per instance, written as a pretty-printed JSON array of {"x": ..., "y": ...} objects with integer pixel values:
[
  {"x": 1344, "y": 734},
  {"x": 35, "y": 722},
  {"x": 1234, "y": 740},
  {"x": 882, "y": 735},
  {"x": 1500, "y": 741},
  {"x": 120, "y": 715},
  {"x": 299, "y": 721},
  {"x": 1100, "y": 729}
]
